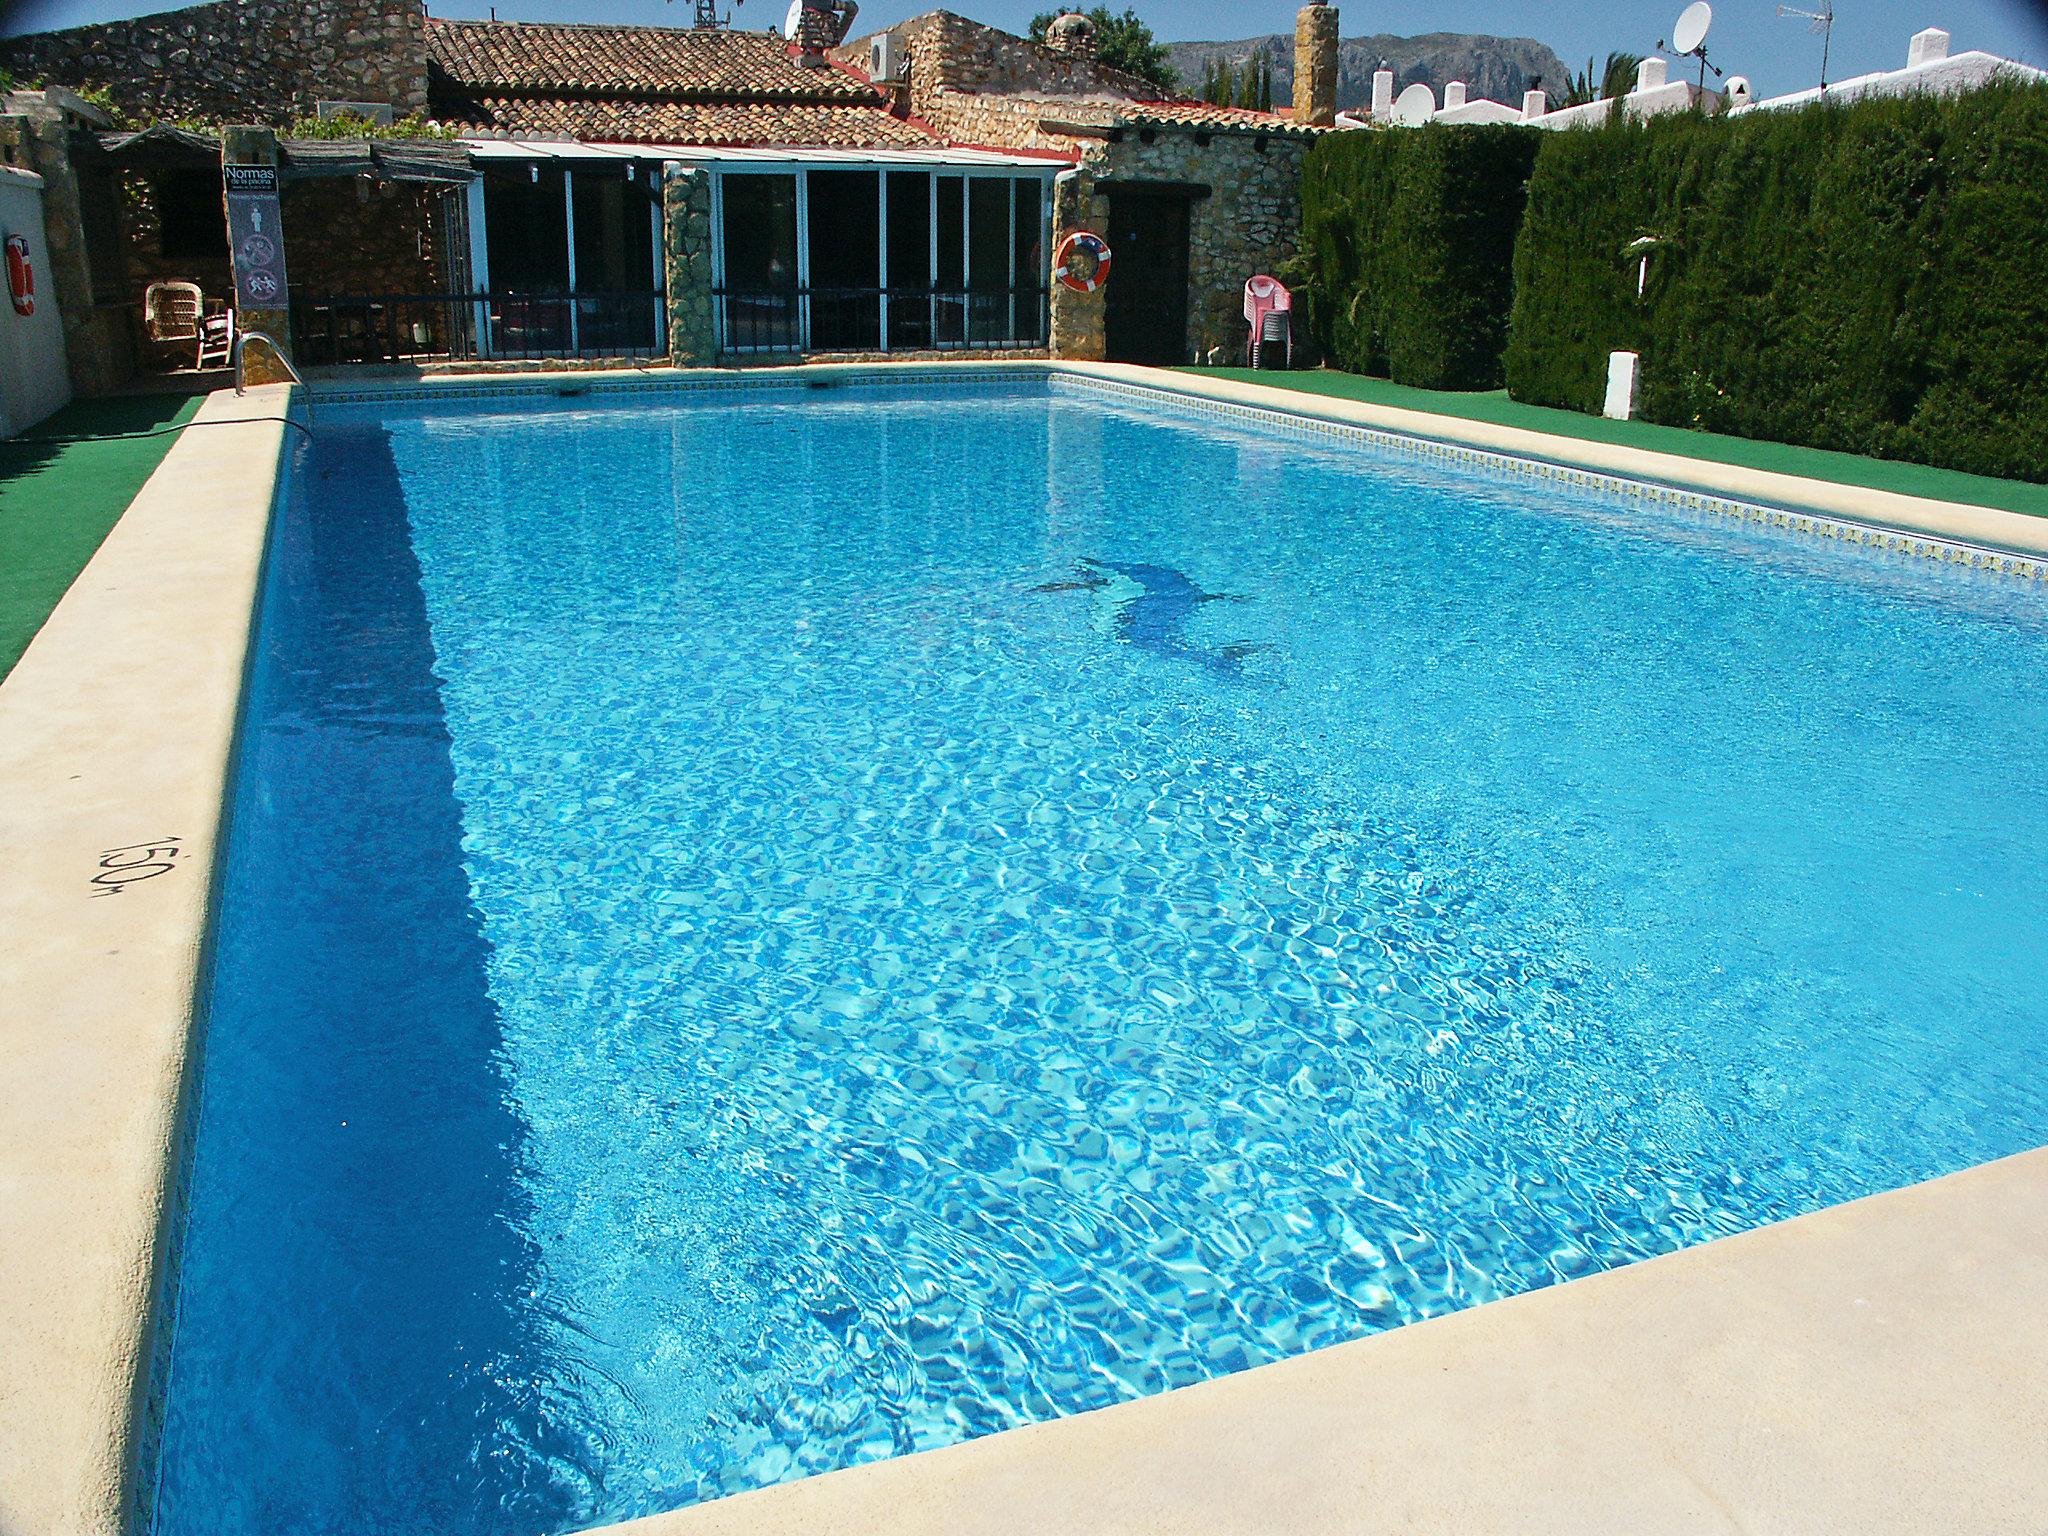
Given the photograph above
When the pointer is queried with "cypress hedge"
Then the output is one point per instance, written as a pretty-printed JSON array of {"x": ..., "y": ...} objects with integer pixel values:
[
  {"x": 1407, "y": 237},
  {"x": 1870, "y": 277}
]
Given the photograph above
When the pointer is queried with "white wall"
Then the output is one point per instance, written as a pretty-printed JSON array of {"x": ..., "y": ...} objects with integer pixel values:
[{"x": 34, "y": 378}]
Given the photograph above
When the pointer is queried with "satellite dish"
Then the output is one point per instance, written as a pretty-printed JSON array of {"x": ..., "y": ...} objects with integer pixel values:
[
  {"x": 1415, "y": 106},
  {"x": 796, "y": 15},
  {"x": 1692, "y": 26}
]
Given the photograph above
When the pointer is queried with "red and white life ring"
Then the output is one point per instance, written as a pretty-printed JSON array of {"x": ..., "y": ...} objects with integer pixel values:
[
  {"x": 21, "y": 277},
  {"x": 1091, "y": 245}
]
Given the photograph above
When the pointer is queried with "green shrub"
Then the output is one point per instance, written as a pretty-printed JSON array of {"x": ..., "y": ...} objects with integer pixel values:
[
  {"x": 1406, "y": 242},
  {"x": 1867, "y": 277}
]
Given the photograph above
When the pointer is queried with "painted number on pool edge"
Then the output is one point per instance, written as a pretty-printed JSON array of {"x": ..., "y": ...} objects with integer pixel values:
[{"x": 122, "y": 867}]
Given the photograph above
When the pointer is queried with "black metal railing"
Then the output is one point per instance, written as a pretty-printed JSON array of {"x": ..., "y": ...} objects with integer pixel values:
[
  {"x": 834, "y": 319},
  {"x": 420, "y": 327}
]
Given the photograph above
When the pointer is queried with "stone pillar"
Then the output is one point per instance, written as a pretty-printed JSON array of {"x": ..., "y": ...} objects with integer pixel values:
[
  {"x": 686, "y": 258},
  {"x": 1077, "y": 318},
  {"x": 249, "y": 145},
  {"x": 1315, "y": 64}
]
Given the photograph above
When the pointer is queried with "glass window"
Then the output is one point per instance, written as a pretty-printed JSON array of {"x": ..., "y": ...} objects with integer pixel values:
[
  {"x": 526, "y": 230},
  {"x": 616, "y": 289},
  {"x": 910, "y": 259},
  {"x": 758, "y": 302},
  {"x": 846, "y": 261},
  {"x": 526, "y": 236},
  {"x": 1033, "y": 261},
  {"x": 988, "y": 258},
  {"x": 950, "y": 279}
]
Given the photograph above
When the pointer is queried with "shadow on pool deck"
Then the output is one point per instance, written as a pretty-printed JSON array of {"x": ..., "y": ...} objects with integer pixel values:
[
  {"x": 1494, "y": 407},
  {"x": 60, "y": 499}
]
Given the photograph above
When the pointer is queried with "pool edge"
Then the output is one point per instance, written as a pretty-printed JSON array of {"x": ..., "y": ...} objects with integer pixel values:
[
  {"x": 116, "y": 731},
  {"x": 1947, "y": 522},
  {"x": 191, "y": 546}
]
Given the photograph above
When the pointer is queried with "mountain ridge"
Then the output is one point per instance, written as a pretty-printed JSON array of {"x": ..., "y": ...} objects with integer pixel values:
[{"x": 1500, "y": 68}]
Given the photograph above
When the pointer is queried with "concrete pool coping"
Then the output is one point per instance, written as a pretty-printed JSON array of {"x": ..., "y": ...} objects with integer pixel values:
[{"x": 116, "y": 730}]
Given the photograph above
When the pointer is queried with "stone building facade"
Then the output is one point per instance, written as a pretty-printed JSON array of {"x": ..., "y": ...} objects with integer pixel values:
[
  {"x": 1248, "y": 222},
  {"x": 253, "y": 61},
  {"x": 1240, "y": 170}
]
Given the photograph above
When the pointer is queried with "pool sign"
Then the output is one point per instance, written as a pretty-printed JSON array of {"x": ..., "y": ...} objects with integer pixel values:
[{"x": 255, "y": 236}]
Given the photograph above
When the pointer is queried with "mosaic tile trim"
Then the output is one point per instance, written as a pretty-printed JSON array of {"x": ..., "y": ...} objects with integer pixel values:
[
  {"x": 1816, "y": 524},
  {"x": 571, "y": 386}
]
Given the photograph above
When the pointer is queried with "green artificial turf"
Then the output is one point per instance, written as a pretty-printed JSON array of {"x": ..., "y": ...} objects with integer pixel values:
[
  {"x": 59, "y": 500},
  {"x": 1495, "y": 407}
]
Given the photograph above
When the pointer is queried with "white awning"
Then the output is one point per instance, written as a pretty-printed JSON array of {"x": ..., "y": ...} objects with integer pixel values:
[{"x": 955, "y": 157}]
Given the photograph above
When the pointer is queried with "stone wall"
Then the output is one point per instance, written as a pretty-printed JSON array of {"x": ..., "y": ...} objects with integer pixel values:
[
  {"x": 345, "y": 235},
  {"x": 260, "y": 61},
  {"x": 1249, "y": 223},
  {"x": 977, "y": 85}
]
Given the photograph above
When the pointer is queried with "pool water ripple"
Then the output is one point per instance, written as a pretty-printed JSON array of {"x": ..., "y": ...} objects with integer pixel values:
[{"x": 927, "y": 967}]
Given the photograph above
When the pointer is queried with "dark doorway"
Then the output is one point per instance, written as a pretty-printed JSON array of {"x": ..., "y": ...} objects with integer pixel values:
[{"x": 1145, "y": 312}]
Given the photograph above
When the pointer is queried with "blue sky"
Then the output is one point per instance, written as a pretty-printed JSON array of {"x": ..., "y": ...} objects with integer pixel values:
[{"x": 1748, "y": 37}]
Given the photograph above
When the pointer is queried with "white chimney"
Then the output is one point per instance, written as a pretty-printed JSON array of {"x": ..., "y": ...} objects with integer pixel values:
[
  {"x": 1650, "y": 74},
  {"x": 1534, "y": 105},
  {"x": 1929, "y": 47},
  {"x": 1454, "y": 95},
  {"x": 1382, "y": 93}
]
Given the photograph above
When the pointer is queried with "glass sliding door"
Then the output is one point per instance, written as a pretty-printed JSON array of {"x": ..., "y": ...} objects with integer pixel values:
[
  {"x": 618, "y": 290},
  {"x": 989, "y": 252},
  {"x": 949, "y": 267},
  {"x": 910, "y": 260},
  {"x": 846, "y": 261},
  {"x": 526, "y": 239},
  {"x": 758, "y": 301},
  {"x": 1033, "y": 262}
]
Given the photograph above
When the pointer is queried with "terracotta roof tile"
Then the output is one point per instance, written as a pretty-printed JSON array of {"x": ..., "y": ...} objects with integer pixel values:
[
  {"x": 523, "y": 56},
  {"x": 1202, "y": 114},
  {"x": 768, "y": 125},
  {"x": 651, "y": 85}
]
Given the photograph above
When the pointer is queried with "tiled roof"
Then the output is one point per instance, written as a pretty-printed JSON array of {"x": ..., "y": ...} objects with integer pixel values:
[
  {"x": 651, "y": 85},
  {"x": 525, "y": 57},
  {"x": 776, "y": 125},
  {"x": 1202, "y": 114}
]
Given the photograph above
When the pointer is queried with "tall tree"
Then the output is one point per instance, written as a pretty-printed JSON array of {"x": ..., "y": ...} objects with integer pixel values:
[{"x": 1122, "y": 42}]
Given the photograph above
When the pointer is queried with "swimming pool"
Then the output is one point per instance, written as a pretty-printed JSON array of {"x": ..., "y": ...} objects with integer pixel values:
[{"x": 765, "y": 930}]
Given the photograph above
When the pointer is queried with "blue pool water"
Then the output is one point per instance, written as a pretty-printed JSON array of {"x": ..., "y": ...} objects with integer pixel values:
[{"x": 762, "y": 933}]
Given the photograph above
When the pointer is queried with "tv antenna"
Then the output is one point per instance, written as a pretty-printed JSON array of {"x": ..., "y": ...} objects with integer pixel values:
[
  {"x": 708, "y": 17},
  {"x": 1689, "y": 36},
  {"x": 1821, "y": 21}
]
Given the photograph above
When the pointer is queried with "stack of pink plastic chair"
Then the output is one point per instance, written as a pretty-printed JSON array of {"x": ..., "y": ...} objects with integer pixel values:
[{"x": 1270, "y": 309}]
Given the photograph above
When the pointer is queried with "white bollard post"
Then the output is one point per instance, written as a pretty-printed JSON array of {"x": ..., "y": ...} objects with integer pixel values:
[{"x": 1621, "y": 386}]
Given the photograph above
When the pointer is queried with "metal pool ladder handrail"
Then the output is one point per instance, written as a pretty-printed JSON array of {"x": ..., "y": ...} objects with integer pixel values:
[{"x": 242, "y": 340}]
